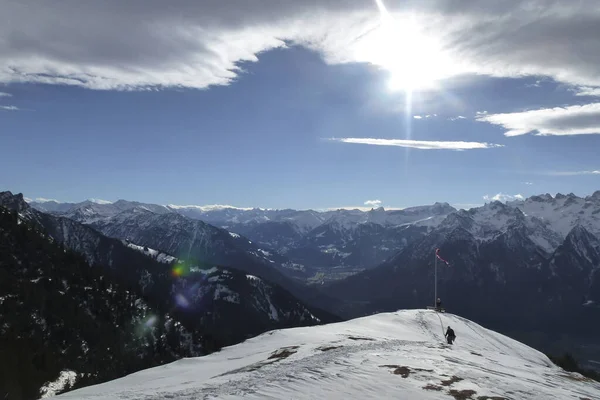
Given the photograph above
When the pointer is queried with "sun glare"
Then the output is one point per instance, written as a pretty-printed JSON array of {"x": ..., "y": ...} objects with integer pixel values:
[{"x": 414, "y": 60}]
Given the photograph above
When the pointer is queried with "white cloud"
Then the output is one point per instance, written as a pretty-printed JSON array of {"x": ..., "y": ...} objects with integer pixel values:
[
  {"x": 373, "y": 203},
  {"x": 503, "y": 197},
  {"x": 27, "y": 199},
  {"x": 528, "y": 183},
  {"x": 44, "y": 200},
  {"x": 457, "y": 118},
  {"x": 9, "y": 108},
  {"x": 114, "y": 44},
  {"x": 100, "y": 201},
  {"x": 572, "y": 120},
  {"x": 419, "y": 144},
  {"x": 573, "y": 173},
  {"x": 3, "y": 94},
  {"x": 424, "y": 116},
  {"x": 481, "y": 112},
  {"x": 588, "y": 91},
  {"x": 538, "y": 83}
]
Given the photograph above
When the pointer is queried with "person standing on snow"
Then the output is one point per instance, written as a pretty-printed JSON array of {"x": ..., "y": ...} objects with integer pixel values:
[{"x": 450, "y": 336}]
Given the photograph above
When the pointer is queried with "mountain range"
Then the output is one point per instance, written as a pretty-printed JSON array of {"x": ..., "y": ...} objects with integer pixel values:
[
  {"x": 528, "y": 268},
  {"x": 303, "y": 244},
  {"x": 524, "y": 266}
]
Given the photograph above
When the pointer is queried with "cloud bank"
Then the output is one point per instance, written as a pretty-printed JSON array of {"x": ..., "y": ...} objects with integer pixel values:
[
  {"x": 100, "y": 201},
  {"x": 373, "y": 203},
  {"x": 44, "y": 200},
  {"x": 114, "y": 44},
  {"x": 419, "y": 144},
  {"x": 503, "y": 197},
  {"x": 559, "y": 121}
]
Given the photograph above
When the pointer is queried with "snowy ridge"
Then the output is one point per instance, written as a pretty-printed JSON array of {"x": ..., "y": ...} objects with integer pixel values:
[
  {"x": 564, "y": 212},
  {"x": 391, "y": 355},
  {"x": 488, "y": 222},
  {"x": 157, "y": 255}
]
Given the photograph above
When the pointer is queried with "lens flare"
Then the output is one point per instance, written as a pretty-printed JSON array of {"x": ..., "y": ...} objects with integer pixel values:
[
  {"x": 150, "y": 322},
  {"x": 194, "y": 289},
  {"x": 179, "y": 270},
  {"x": 181, "y": 300}
]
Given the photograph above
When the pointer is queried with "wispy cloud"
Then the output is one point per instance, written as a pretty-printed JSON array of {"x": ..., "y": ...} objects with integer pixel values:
[
  {"x": 203, "y": 45},
  {"x": 503, "y": 197},
  {"x": 9, "y": 108},
  {"x": 572, "y": 120},
  {"x": 573, "y": 173},
  {"x": 457, "y": 118},
  {"x": 373, "y": 203},
  {"x": 588, "y": 91},
  {"x": 528, "y": 183},
  {"x": 537, "y": 83},
  {"x": 419, "y": 144},
  {"x": 100, "y": 201},
  {"x": 44, "y": 200},
  {"x": 424, "y": 116},
  {"x": 4, "y": 94}
]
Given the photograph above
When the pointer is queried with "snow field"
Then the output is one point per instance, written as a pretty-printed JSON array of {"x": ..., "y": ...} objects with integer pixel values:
[{"x": 398, "y": 355}]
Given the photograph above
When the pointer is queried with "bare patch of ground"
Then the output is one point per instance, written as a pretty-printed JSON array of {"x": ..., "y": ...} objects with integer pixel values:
[
  {"x": 284, "y": 352},
  {"x": 452, "y": 380},
  {"x": 327, "y": 348},
  {"x": 404, "y": 371},
  {"x": 462, "y": 394},
  {"x": 360, "y": 338}
]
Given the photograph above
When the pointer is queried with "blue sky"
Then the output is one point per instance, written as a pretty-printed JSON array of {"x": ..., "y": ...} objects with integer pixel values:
[{"x": 275, "y": 132}]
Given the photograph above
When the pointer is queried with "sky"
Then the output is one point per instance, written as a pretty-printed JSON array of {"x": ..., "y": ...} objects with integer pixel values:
[{"x": 305, "y": 104}]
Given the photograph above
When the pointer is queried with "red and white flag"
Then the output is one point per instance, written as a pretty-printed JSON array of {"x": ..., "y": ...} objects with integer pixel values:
[{"x": 437, "y": 254}]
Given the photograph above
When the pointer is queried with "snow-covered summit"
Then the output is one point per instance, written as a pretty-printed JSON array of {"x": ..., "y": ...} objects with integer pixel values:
[{"x": 384, "y": 356}]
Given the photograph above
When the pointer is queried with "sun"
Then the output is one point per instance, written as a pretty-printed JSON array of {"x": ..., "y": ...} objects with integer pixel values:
[{"x": 415, "y": 61}]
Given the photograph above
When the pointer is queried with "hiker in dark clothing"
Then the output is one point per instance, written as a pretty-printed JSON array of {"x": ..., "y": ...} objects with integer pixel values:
[{"x": 450, "y": 336}]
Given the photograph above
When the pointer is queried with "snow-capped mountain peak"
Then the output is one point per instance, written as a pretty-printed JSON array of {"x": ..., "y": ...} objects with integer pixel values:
[
  {"x": 563, "y": 212},
  {"x": 384, "y": 356}
]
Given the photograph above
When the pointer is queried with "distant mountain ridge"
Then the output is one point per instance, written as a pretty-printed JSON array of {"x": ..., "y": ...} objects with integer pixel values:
[{"x": 303, "y": 244}]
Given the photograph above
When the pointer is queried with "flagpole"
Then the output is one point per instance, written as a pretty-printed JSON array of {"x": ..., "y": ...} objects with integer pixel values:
[{"x": 435, "y": 290}]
